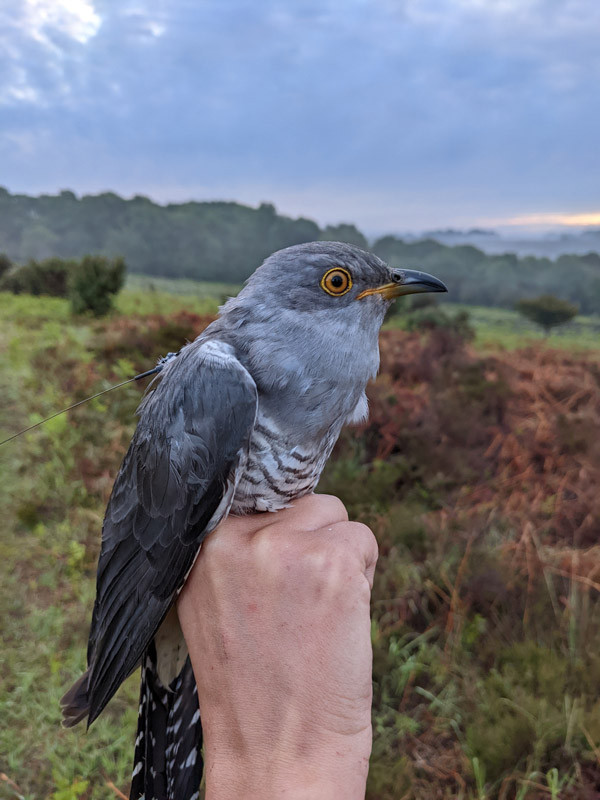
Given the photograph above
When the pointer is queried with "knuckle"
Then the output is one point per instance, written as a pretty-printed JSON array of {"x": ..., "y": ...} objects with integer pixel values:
[
  {"x": 275, "y": 555},
  {"x": 267, "y": 547},
  {"x": 331, "y": 507},
  {"x": 356, "y": 536},
  {"x": 317, "y": 563},
  {"x": 368, "y": 539},
  {"x": 355, "y": 547}
]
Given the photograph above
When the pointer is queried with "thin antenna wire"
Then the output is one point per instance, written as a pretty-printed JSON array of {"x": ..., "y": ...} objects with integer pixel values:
[{"x": 80, "y": 402}]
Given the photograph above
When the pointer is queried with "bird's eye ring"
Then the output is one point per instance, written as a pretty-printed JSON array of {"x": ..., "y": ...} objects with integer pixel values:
[{"x": 336, "y": 281}]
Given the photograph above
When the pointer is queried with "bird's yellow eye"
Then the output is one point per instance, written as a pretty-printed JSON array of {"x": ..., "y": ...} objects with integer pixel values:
[{"x": 336, "y": 281}]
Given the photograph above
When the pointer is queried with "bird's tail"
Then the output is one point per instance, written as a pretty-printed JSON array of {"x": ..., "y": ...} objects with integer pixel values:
[{"x": 168, "y": 747}]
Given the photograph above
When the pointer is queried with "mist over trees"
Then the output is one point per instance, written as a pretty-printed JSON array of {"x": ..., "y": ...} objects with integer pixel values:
[
  {"x": 475, "y": 278},
  {"x": 225, "y": 241}
]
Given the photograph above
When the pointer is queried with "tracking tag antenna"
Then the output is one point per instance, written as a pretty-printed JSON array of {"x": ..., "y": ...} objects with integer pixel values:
[{"x": 158, "y": 368}]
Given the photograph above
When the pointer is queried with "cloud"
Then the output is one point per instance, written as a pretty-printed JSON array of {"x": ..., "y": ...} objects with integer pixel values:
[
  {"x": 470, "y": 106},
  {"x": 37, "y": 39},
  {"x": 76, "y": 19}
]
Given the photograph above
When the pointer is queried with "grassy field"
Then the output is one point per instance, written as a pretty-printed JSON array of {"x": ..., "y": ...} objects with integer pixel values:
[
  {"x": 500, "y": 327},
  {"x": 478, "y": 471},
  {"x": 47, "y": 547},
  {"x": 144, "y": 294},
  {"x": 202, "y": 289}
]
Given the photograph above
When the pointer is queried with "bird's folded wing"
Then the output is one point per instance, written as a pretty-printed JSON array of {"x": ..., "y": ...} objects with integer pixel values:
[{"x": 174, "y": 486}]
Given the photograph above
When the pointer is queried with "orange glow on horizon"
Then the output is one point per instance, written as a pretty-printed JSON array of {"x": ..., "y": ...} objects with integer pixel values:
[{"x": 582, "y": 220}]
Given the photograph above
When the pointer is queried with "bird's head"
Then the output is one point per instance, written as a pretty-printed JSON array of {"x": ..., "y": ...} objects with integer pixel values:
[
  {"x": 319, "y": 294},
  {"x": 310, "y": 316},
  {"x": 331, "y": 276}
]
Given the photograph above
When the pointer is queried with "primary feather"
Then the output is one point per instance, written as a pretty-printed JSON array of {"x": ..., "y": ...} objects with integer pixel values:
[{"x": 194, "y": 428}]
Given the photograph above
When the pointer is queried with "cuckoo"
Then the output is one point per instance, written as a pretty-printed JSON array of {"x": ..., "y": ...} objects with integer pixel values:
[{"x": 242, "y": 420}]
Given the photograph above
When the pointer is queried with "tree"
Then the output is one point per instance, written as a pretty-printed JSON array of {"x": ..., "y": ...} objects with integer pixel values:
[{"x": 547, "y": 311}]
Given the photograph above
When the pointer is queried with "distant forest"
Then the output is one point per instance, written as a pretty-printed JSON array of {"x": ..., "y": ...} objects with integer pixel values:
[{"x": 221, "y": 241}]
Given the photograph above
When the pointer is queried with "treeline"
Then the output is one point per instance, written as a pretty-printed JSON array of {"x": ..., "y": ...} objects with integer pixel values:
[
  {"x": 475, "y": 278},
  {"x": 204, "y": 241},
  {"x": 220, "y": 241}
]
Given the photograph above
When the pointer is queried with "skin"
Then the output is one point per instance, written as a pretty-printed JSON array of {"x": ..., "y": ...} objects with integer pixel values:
[{"x": 276, "y": 617}]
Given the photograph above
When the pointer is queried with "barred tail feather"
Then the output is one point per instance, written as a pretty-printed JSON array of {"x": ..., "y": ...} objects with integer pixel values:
[{"x": 168, "y": 747}]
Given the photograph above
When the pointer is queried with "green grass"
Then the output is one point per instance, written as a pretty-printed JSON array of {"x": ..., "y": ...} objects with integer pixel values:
[
  {"x": 28, "y": 310},
  {"x": 500, "y": 327},
  {"x": 141, "y": 302},
  {"x": 54, "y": 488},
  {"x": 134, "y": 300},
  {"x": 47, "y": 551},
  {"x": 147, "y": 295},
  {"x": 182, "y": 286}
]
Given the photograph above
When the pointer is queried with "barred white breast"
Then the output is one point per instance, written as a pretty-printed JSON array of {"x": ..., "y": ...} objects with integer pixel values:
[{"x": 276, "y": 471}]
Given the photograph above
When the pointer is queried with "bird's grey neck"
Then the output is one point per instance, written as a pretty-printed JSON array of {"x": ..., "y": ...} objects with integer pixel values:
[{"x": 310, "y": 369}]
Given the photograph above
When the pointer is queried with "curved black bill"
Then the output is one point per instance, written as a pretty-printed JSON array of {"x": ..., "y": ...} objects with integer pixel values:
[
  {"x": 412, "y": 281},
  {"x": 406, "y": 281}
]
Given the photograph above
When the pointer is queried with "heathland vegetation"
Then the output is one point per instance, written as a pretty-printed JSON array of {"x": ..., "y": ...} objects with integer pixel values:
[
  {"x": 225, "y": 242},
  {"x": 478, "y": 470}
]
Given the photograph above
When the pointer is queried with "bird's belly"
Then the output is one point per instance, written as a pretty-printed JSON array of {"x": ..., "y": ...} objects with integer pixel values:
[{"x": 277, "y": 471}]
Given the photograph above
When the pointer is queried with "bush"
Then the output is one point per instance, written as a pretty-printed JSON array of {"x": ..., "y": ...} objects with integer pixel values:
[
  {"x": 93, "y": 282},
  {"x": 47, "y": 277}
]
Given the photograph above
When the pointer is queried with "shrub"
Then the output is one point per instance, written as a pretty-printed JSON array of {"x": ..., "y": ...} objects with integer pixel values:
[
  {"x": 93, "y": 282},
  {"x": 47, "y": 277},
  {"x": 547, "y": 311}
]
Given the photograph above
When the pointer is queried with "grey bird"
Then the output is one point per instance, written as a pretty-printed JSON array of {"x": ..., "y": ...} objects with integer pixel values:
[{"x": 243, "y": 420}]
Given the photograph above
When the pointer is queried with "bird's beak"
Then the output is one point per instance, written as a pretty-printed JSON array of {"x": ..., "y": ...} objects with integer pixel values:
[{"x": 406, "y": 281}]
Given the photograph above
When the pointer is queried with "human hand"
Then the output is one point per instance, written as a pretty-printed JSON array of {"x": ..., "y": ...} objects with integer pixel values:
[{"x": 276, "y": 617}]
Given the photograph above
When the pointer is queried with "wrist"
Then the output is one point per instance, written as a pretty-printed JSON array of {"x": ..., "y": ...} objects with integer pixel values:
[{"x": 320, "y": 768}]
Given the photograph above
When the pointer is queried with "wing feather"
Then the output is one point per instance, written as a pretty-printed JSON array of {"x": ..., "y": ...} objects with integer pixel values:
[{"x": 193, "y": 428}]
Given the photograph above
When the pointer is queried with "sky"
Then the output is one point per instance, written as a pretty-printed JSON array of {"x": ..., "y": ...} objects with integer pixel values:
[{"x": 397, "y": 115}]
